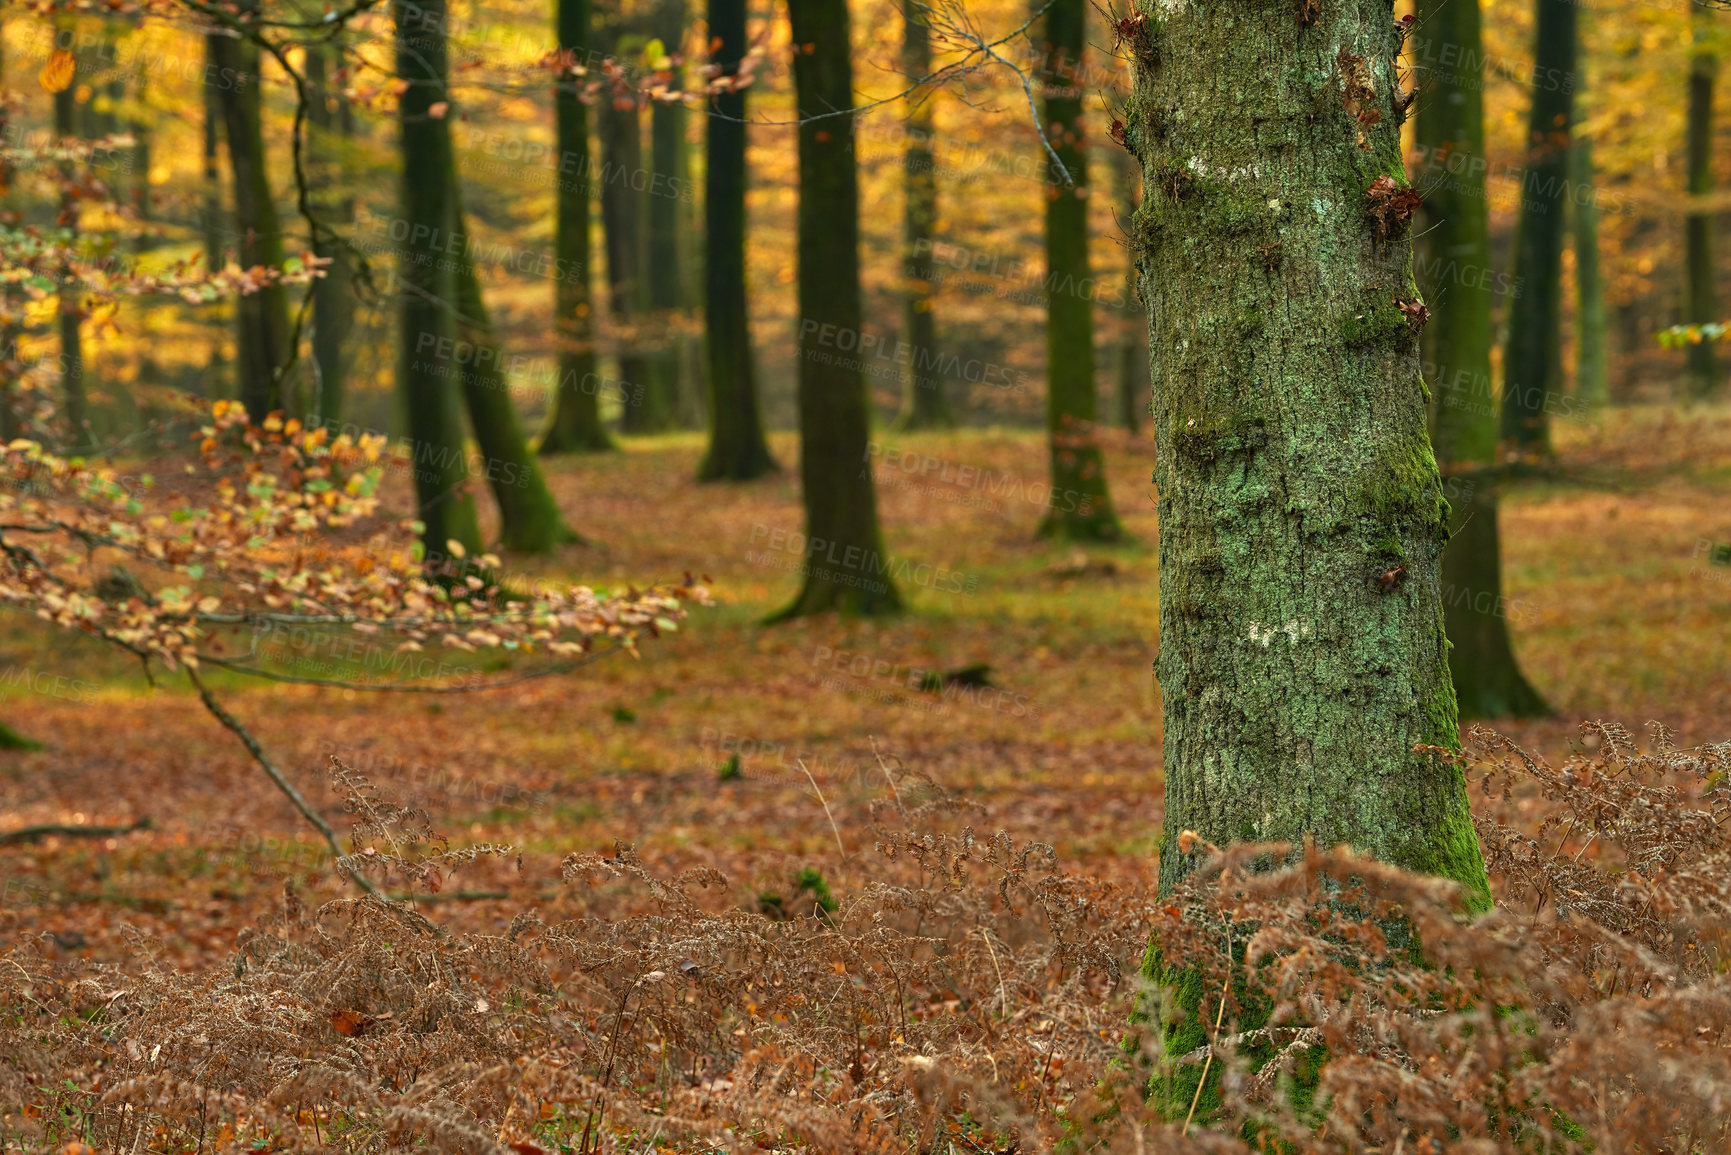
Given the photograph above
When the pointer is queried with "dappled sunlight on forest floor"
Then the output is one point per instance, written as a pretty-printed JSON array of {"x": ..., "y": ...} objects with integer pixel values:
[{"x": 1616, "y": 612}]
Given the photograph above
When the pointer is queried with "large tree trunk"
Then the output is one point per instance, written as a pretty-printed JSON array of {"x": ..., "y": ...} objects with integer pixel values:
[
  {"x": 1457, "y": 345},
  {"x": 574, "y": 422},
  {"x": 1081, "y": 508},
  {"x": 428, "y": 209},
  {"x": 1302, "y": 518},
  {"x": 262, "y": 317},
  {"x": 333, "y": 303},
  {"x": 665, "y": 271},
  {"x": 737, "y": 449},
  {"x": 70, "y": 312},
  {"x": 846, "y": 568},
  {"x": 925, "y": 405},
  {"x": 1591, "y": 370},
  {"x": 1532, "y": 356},
  {"x": 622, "y": 223},
  {"x": 529, "y": 518},
  {"x": 1699, "y": 306}
]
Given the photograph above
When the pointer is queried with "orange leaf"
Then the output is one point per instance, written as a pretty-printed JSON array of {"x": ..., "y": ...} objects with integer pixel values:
[
  {"x": 349, "y": 1023},
  {"x": 438, "y": 109},
  {"x": 57, "y": 73}
]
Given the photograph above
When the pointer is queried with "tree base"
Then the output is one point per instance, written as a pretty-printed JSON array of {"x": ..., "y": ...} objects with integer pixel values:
[
  {"x": 557, "y": 442},
  {"x": 11, "y": 739},
  {"x": 822, "y": 596},
  {"x": 744, "y": 463},
  {"x": 1104, "y": 529},
  {"x": 544, "y": 538}
]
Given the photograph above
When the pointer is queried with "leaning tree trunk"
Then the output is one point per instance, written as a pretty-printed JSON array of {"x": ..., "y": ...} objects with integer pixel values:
[
  {"x": 1457, "y": 342},
  {"x": 262, "y": 316},
  {"x": 622, "y": 213},
  {"x": 529, "y": 518},
  {"x": 333, "y": 303},
  {"x": 1591, "y": 372},
  {"x": 1532, "y": 356},
  {"x": 737, "y": 449},
  {"x": 1084, "y": 512},
  {"x": 925, "y": 405},
  {"x": 1699, "y": 306},
  {"x": 1302, "y": 517},
  {"x": 666, "y": 277},
  {"x": 70, "y": 313},
  {"x": 574, "y": 420},
  {"x": 845, "y": 565},
  {"x": 428, "y": 209}
]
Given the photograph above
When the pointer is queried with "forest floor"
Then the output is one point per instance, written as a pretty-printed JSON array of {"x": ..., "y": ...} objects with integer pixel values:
[{"x": 1616, "y": 611}]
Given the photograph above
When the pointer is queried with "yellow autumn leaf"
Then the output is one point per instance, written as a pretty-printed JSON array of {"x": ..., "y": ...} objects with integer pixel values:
[{"x": 58, "y": 72}]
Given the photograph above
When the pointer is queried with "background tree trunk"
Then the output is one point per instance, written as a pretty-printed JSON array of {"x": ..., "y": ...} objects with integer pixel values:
[
  {"x": 11, "y": 363},
  {"x": 69, "y": 308},
  {"x": 574, "y": 422},
  {"x": 1302, "y": 517},
  {"x": 925, "y": 404},
  {"x": 1699, "y": 305},
  {"x": 442, "y": 496},
  {"x": 1455, "y": 247},
  {"x": 737, "y": 449},
  {"x": 666, "y": 268},
  {"x": 1081, "y": 507},
  {"x": 1591, "y": 372},
  {"x": 845, "y": 565},
  {"x": 1132, "y": 356},
  {"x": 622, "y": 223},
  {"x": 262, "y": 317},
  {"x": 333, "y": 303},
  {"x": 210, "y": 215},
  {"x": 1532, "y": 356}
]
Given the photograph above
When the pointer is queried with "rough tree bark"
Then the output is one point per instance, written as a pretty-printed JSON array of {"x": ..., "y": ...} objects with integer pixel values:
[
  {"x": 1591, "y": 369},
  {"x": 574, "y": 422},
  {"x": 1457, "y": 346},
  {"x": 1302, "y": 516},
  {"x": 1699, "y": 305},
  {"x": 333, "y": 303},
  {"x": 1532, "y": 356},
  {"x": 262, "y": 317},
  {"x": 442, "y": 495},
  {"x": 925, "y": 404},
  {"x": 737, "y": 449},
  {"x": 1082, "y": 508},
  {"x": 845, "y": 565}
]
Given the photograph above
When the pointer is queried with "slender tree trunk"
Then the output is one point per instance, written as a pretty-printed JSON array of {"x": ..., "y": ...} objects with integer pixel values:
[
  {"x": 263, "y": 319},
  {"x": 666, "y": 278},
  {"x": 210, "y": 216},
  {"x": 846, "y": 568},
  {"x": 925, "y": 404},
  {"x": 1532, "y": 356},
  {"x": 1081, "y": 507},
  {"x": 1591, "y": 389},
  {"x": 529, "y": 518},
  {"x": 1132, "y": 357},
  {"x": 442, "y": 494},
  {"x": 11, "y": 364},
  {"x": 333, "y": 302},
  {"x": 574, "y": 421},
  {"x": 1699, "y": 305},
  {"x": 737, "y": 449},
  {"x": 622, "y": 223},
  {"x": 140, "y": 127},
  {"x": 69, "y": 309},
  {"x": 1457, "y": 346},
  {"x": 1302, "y": 517}
]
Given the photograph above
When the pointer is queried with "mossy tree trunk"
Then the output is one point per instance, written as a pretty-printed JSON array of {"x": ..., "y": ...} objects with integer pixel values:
[
  {"x": 1532, "y": 355},
  {"x": 737, "y": 448},
  {"x": 925, "y": 404},
  {"x": 845, "y": 565},
  {"x": 443, "y": 498},
  {"x": 69, "y": 307},
  {"x": 665, "y": 271},
  {"x": 574, "y": 421},
  {"x": 1297, "y": 672},
  {"x": 529, "y": 518},
  {"x": 1591, "y": 368},
  {"x": 1455, "y": 246},
  {"x": 262, "y": 317},
  {"x": 1699, "y": 304},
  {"x": 333, "y": 302},
  {"x": 1081, "y": 508}
]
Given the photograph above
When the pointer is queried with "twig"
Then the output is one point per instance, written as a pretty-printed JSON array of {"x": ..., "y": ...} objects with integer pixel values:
[
  {"x": 834, "y": 829},
  {"x": 54, "y": 830},
  {"x": 1219, "y": 1017}
]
